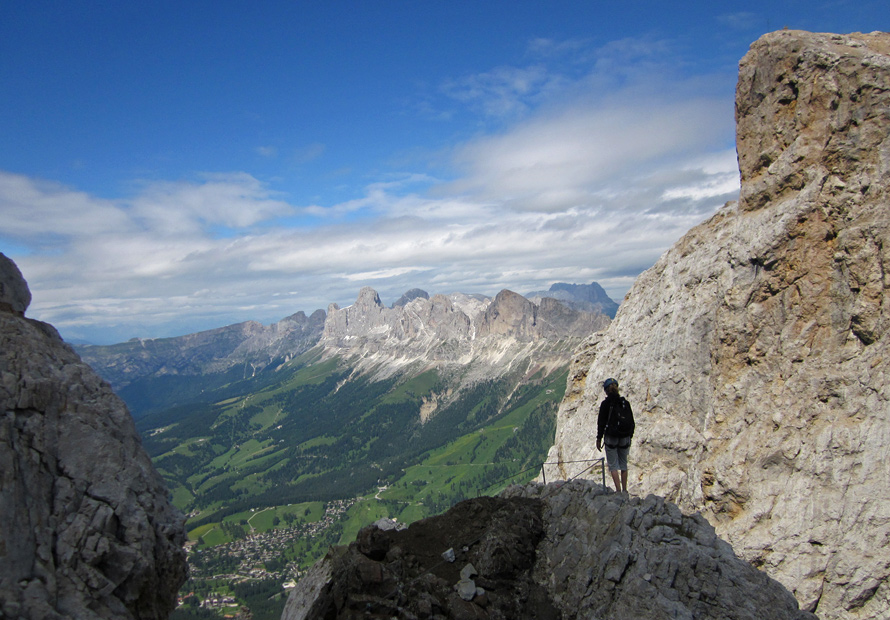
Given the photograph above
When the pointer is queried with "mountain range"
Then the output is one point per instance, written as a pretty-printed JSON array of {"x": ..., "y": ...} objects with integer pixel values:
[
  {"x": 340, "y": 404},
  {"x": 753, "y": 351},
  {"x": 152, "y": 374}
]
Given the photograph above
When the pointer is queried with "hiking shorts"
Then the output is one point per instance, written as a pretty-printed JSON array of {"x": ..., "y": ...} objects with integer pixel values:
[{"x": 617, "y": 449}]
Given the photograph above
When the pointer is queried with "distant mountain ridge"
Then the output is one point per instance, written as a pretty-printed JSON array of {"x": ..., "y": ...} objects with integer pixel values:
[
  {"x": 587, "y": 297},
  {"x": 456, "y": 329},
  {"x": 418, "y": 330}
]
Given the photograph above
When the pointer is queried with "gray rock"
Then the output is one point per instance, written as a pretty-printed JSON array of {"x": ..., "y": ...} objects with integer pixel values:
[
  {"x": 411, "y": 295},
  {"x": 466, "y": 589},
  {"x": 14, "y": 294},
  {"x": 476, "y": 339},
  {"x": 755, "y": 351},
  {"x": 88, "y": 531},
  {"x": 568, "y": 552},
  {"x": 606, "y": 555},
  {"x": 589, "y": 297}
]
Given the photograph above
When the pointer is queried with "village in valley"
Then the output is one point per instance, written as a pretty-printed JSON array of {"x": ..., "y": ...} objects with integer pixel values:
[{"x": 256, "y": 557}]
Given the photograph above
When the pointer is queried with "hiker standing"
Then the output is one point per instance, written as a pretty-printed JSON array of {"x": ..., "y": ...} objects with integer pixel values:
[{"x": 615, "y": 428}]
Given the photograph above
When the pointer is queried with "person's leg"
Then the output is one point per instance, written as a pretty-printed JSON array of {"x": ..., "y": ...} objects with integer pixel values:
[
  {"x": 616, "y": 479},
  {"x": 612, "y": 462},
  {"x": 622, "y": 453}
]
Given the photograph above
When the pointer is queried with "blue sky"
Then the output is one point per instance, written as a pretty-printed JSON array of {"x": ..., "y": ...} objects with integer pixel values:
[{"x": 167, "y": 167}]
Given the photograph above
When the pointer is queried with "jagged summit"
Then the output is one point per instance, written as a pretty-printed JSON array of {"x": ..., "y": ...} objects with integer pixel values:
[
  {"x": 755, "y": 351},
  {"x": 414, "y": 293},
  {"x": 589, "y": 297},
  {"x": 556, "y": 552},
  {"x": 443, "y": 327},
  {"x": 483, "y": 337}
]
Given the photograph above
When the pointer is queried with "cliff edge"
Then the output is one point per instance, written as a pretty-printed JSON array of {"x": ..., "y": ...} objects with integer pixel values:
[
  {"x": 756, "y": 351},
  {"x": 552, "y": 552},
  {"x": 87, "y": 529}
]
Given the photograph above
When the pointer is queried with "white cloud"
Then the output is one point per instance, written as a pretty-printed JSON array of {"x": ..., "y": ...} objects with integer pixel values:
[
  {"x": 36, "y": 211},
  {"x": 590, "y": 186},
  {"x": 233, "y": 201},
  {"x": 503, "y": 91},
  {"x": 578, "y": 156}
]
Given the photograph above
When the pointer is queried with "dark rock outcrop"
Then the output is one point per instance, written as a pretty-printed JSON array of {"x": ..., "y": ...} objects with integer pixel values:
[
  {"x": 87, "y": 530},
  {"x": 549, "y": 552},
  {"x": 14, "y": 294}
]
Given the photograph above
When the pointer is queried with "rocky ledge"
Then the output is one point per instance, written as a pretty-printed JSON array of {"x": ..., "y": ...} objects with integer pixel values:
[{"x": 558, "y": 551}]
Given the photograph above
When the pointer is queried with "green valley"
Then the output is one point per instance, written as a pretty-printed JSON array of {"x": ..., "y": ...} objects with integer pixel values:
[{"x": 305, "y": 454}]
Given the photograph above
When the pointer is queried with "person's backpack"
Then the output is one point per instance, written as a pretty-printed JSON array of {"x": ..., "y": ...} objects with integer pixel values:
[{"x": 621, "y": 419}]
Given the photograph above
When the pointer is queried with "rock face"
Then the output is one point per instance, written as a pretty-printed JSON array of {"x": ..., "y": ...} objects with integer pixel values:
[
  {"x": 469, "y": 338},
  {"x": 87, "y": 530},
  {"x": 546, "y": 552},
  {"x": 14, "y": 294},
  {"x": 456, "y": 330},
  {"x": 755, "y": 351}
]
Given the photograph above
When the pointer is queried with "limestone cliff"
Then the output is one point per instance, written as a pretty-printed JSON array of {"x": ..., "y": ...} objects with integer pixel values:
[
  {"x": 755, "y": 351},
  {"x": 567, "y": 552},
  {"x": 481, "y": 337},
  {"x": 87, "y": 530}
]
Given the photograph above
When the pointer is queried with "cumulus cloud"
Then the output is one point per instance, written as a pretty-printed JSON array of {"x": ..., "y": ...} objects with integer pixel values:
[
  {"x": 37, "y": 211},
  {"x": 579, "y": 187},
  {"x": 227, "y": 201},
  {"x": 556, "y": 162}
]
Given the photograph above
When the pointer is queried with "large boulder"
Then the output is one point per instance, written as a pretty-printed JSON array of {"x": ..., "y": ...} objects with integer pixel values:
[
  {"x": 87, "y": 529},
  {"x": 15, "y": 296},
  {"x": 756, "y": 351},
  {"x": 552, "y": 552}
]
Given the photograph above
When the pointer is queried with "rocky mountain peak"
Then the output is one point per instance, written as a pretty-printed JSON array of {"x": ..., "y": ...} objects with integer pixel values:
[
  {"x": 589, "y": 297},
  {"x": 368, "y": 300},
  {"x": 88, "y": 531},
  {"x": 414, "y": 293},
  {"x": 755, "y": 351},
  {"x": 509, "y": 314},
  {"x": 452, "y": 329},
  {"x": 15, "y": 296},
  {"x": 811, "y": 110}
]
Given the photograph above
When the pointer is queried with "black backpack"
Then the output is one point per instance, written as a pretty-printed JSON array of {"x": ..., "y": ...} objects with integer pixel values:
[{"x": 620, "y": 422}]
